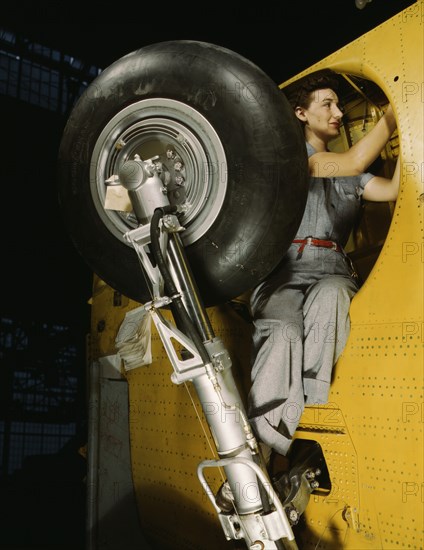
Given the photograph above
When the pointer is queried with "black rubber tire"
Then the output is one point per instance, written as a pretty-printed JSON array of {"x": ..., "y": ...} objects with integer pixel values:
[{"x": 265, "y": 156}]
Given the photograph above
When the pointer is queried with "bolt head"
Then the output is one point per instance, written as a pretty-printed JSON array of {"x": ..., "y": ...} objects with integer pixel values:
[{"x": 293, "y": 516}]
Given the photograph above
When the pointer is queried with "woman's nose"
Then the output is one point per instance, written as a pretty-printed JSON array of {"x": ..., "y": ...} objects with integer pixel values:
[{"x": 337, "y": 113}]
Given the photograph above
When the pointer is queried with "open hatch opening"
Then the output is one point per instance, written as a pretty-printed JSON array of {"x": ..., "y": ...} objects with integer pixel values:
[{"x": 364, "y": 103}]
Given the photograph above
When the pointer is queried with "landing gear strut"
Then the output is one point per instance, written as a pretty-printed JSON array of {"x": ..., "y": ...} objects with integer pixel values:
[{"x": 259, "y": 517}]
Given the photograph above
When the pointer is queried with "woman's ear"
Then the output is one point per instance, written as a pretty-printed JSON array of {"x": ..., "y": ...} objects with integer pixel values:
[{"x": 300, "y": 113}]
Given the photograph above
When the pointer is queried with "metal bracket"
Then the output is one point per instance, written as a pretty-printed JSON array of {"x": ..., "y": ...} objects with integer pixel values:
[
  {"x": 184, "y": 369},
  {"x": 277, "y": 525},
  {"x": 140, "y": 239}
]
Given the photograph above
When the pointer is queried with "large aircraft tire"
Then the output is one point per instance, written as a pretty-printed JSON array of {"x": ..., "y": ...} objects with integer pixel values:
[{"x": 242, "y": 176}]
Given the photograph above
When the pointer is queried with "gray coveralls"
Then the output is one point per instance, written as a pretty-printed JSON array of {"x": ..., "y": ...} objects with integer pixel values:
[{"x": 301, "y": 314}]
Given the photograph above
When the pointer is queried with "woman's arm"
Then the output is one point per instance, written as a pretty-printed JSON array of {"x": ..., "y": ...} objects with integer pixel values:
[
  {"x": 358, "y": 158},
  {"x": 383, "y": 189}
]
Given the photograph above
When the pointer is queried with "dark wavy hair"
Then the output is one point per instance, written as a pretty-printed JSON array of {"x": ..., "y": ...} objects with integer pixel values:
[{"x": 299, "y": 92}]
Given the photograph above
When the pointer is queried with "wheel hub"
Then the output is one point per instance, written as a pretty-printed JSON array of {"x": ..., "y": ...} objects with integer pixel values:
[{"x": 185, "y": 152}]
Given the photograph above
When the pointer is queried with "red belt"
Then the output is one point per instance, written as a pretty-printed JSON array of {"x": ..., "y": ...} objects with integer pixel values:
[
  {"x": 311, "y": 241},
  {"x": 324, "y": 244}
]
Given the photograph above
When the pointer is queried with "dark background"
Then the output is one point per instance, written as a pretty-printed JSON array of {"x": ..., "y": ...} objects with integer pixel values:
[
  {"x": 44, "y": 280},
  {"x": 283, "y": 37}
]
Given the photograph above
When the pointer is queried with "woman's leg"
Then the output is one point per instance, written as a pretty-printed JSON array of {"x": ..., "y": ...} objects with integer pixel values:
[
  {"x": 327, "y": 327},
  {"x": 275, "y": 401}
]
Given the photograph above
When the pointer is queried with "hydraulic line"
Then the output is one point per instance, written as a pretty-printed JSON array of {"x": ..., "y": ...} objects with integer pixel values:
[
  {"x": 171, "y": 289},
  {"x": 280, "y": 544},
  {"x": 188, "y": 286}
]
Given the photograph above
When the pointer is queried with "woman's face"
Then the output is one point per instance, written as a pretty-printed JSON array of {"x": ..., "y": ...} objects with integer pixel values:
[{"x": 322, "y": 117}]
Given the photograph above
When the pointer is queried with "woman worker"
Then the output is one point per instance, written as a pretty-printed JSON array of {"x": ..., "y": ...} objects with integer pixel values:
[{"x": 301, "y": 311}]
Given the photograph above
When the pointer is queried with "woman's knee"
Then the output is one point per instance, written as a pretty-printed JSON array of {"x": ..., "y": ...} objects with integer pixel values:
[
  {"x": 330, "y": 298},
  {"x": 336, "y": 287},
  {"x": 278, "y": 331}
]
